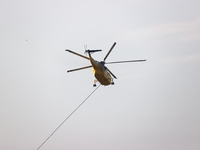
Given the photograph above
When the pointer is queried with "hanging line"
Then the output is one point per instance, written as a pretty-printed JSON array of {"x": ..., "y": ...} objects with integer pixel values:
[{"x": 67, "y": 118}]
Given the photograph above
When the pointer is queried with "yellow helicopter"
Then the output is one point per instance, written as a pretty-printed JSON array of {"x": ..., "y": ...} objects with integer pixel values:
[{"x": 101, "y": 72}]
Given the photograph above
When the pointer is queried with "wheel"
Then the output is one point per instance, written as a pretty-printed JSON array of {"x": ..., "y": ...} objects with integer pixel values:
[
  {"x": 94, "y": 85},
  {"x": 112, "y": 83}
]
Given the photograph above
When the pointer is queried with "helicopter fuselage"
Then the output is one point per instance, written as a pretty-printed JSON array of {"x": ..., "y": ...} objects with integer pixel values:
[{"x": 100, "y": 72}]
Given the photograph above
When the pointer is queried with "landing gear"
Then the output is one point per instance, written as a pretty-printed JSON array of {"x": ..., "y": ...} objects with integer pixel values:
[
  {"x": 112, "y": 83},
  {"x": 95, "y": 81}
]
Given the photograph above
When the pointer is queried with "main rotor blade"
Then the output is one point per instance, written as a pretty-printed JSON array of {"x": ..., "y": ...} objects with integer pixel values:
[
  {"x": 77, "y": 54},
  {"x": 109, "y": 51},
  {"x": 111, "y": 72},
  {"x": 124, "y": 61},
  {"x": 79, "y": 68}
]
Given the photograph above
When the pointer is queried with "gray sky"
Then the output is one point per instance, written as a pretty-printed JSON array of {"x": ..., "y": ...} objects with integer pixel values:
[{"x": 153, "y": 104}]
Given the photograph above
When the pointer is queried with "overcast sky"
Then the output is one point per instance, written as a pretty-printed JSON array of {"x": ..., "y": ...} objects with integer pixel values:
[{"x": 153, "y": 105}]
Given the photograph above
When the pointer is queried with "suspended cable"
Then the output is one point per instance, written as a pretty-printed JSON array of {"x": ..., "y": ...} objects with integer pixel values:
[{"x": 67, "y": 118}]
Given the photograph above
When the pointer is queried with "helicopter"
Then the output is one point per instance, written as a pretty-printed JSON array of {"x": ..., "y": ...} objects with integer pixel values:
[{"x": 102, "y": 74}]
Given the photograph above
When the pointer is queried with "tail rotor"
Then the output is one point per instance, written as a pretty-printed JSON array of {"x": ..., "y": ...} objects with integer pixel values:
[{"x": 85, "y": 47}]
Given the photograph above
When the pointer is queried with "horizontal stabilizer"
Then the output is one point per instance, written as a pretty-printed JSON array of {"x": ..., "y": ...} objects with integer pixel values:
[{"x": 92, "y": 51}]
